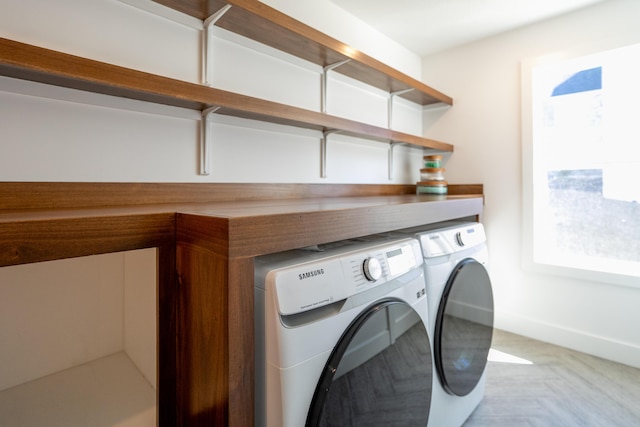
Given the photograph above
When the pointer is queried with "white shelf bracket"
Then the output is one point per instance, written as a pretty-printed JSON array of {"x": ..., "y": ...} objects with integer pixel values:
[
  {"x": 207, "y": 44},
  {"x": 392, "y": 96},
  {"x": 324, "y": 83},
  {"x": 323, "y": 152},
  {"x": 392, "y": 146},
  {"x": 206, "y": 136}
]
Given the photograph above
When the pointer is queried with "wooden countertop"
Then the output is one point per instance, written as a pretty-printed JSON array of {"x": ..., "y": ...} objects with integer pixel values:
[
  {"x": 262, "y": 227},
  {"x": 255, "y": 226}
]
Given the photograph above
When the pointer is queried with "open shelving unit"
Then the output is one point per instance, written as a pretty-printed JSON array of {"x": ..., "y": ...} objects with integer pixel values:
[{"x": 261, "y": 23}]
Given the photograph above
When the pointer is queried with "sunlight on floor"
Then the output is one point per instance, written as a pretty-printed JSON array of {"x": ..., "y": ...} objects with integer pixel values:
[{"x": 502, "y": 357}]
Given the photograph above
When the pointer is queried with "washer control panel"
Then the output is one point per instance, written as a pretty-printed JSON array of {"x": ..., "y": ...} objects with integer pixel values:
[
  {"x": 313, "y": 284},
  {"x": 451, "y": 240}
]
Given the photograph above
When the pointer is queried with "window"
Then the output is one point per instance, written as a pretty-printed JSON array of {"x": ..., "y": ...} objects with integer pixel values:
[{"x": 581, "y": 163}]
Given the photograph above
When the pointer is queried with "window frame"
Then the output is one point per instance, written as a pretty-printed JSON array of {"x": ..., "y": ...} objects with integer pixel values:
[{"x": 529, "y": 263}]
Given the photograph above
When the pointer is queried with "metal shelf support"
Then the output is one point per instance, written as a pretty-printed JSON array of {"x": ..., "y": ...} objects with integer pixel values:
[
  {"x": 392, "y": 96},
  {"x": 323, "y": 151},
  {"x": 324, "y": 82},
  {"x": 392, "y": 146},
  {"x": 206, "y": 136},
  {"x": 207, "y": 44}
]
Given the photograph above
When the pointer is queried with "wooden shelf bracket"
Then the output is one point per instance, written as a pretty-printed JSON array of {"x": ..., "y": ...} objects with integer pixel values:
[
  {"x": 392, "y": 96},
  {"x": 324, "y": 82},
  {"x": 206, "y": 136},
  {"x": 207, "y": 44}
]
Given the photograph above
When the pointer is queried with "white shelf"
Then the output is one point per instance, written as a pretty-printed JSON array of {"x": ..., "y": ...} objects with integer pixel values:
[{"x": 107, "y": 392}]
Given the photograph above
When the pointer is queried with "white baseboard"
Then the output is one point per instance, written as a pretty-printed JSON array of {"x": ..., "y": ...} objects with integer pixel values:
[{"x": 606, "y": 348}]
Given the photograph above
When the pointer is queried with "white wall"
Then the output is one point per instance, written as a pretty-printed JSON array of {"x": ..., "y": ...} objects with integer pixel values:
[{"x": 484, "y": 125}]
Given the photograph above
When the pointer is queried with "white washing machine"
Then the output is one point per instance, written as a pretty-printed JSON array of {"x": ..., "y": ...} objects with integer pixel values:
[
  {"x": 460, "y": 304},
  {"x": 342, "y": 336}
]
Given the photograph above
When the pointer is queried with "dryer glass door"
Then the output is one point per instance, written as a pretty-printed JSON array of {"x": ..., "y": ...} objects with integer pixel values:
[
  {"x": 380, "y": 372},
  {"x": 464, "y": 327}
]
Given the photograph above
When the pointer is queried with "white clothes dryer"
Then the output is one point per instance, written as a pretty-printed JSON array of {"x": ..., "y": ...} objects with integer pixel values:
[
  {"x": 342, "y": 336},
  {"x": 460, "y": 301}
]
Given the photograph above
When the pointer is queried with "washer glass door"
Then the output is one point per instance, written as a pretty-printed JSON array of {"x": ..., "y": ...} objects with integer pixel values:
[
  {"x": 464, "y": 328},
  {"x": 380, "y": 372}
]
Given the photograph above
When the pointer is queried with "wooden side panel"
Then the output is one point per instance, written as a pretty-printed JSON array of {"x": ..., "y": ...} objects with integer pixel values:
[
  {"x": 241, "y": 342},
  {"x": 167, "y": 361},
  {"x": 203, "y": 381},
  {"x": 215, "y": 382}
]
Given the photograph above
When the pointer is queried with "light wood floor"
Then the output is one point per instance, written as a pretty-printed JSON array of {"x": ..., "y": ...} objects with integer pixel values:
[{"x": 559, "y": 388}]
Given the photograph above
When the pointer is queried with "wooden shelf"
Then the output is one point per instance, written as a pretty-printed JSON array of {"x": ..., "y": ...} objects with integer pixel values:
[
  {"x": 262, "y": 23},
  {"x": 42, "y": 65}
]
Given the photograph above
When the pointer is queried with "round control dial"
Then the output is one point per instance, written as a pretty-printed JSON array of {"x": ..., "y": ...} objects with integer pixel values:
[
  {"x": 460, "y": 238},
  {"x": 372, "y": 269}
]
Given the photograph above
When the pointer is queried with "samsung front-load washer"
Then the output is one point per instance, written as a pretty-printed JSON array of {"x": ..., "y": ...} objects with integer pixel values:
[
  {"x": 342, "y": 336},
  {"x": 460, "y": 301}
]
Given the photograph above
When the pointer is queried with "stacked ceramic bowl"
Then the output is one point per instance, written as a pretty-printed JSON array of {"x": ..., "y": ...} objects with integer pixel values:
[{"x": 432, "y": 176}]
